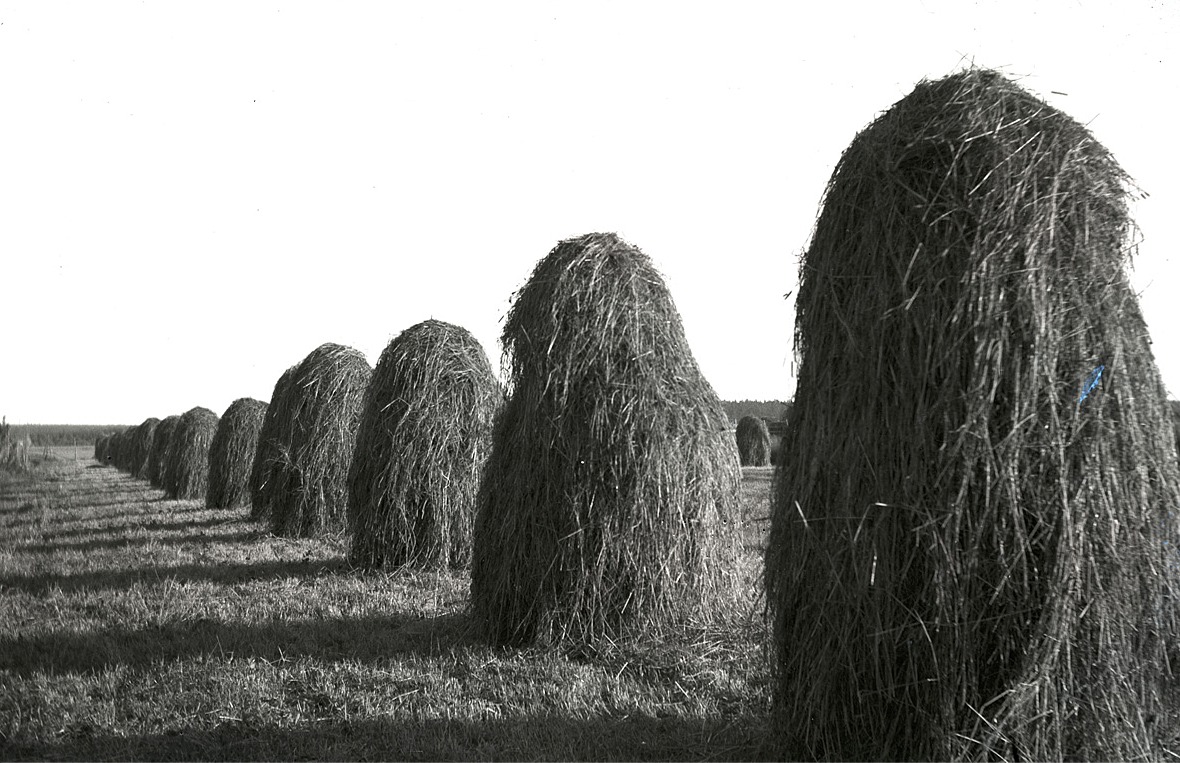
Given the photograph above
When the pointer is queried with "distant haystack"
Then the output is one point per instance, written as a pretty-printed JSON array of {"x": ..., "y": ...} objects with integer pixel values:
[
  {"x": 157, "y": 461},
  {"x": 187, "y": 472},
  {"x": 323, "y": 411},
  {"x": 231, "y": 455},
  {"x": 424, "y": 438},
  {"x": 101, "y": 446},
  {"x": 753, "y": 441},
  {"x": 272, "y": 456},
  {"x": 610, "y": 501},
  {"x": 141, "y": 447},
  {"x": 122, "y": 445},
  {"x": 972, "y": 520}
]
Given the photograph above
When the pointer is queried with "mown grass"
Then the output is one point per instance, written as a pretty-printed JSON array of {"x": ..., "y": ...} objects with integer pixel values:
[{"x": 135, "y": 627}]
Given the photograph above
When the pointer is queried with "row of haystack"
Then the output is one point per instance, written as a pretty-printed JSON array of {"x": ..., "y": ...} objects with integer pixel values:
[
  {"x": 972, "y": 520},
  {"x": 597, "y": 501},
  {"x": 172, "y": 454}
]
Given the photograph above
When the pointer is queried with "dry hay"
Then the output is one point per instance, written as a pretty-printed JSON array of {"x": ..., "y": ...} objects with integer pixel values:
[
  {"x": 323, "y": 411},
  {"x": 141, "y": 447},
  {"x": 967, "y": 558},
  {"x": 122, "y": 447},
  {"x": 609, "y": 502},
  {"x": 1174, "y": 407},
  {"x": 271, "y": 464},
  {"x": 231, "y": 455},
  {"x": 753, "y": 441},
  {"x": 424, "y": 437},
  {"x": 101, "y": 447},
  {"x": 186, "y": 474},
  {"x": 157, "y": 461}
]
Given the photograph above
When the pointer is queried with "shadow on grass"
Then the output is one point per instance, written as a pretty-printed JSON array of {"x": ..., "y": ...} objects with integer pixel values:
[
  {"x": 228, "y": 574},
  {"x": 365, "y": 639},
  {"x": 150, "y": 524},
  {"x": 140, "y": 540},
  {"x": 521, "y": 737},
  {"x": 69, "y": 525}
]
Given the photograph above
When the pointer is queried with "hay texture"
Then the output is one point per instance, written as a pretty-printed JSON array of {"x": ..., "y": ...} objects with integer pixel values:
[
  {"x": 323, "y": 410},
  {"x": 141, "y": 447},
  {"x": 157, "y": 460},
  {"x": 272, "y": 457},
  {"x": 121, "y": 446},
  {"x": 424, "y": 438},
  {"x": 753, "y": 441},
  {"x": 967, "y": 552},
  {"x": 186, "y": 473},
  {"x": 231, "y": 455},
  {"x": 610, "y": 498},
  {"x": 101, "y": 447}
]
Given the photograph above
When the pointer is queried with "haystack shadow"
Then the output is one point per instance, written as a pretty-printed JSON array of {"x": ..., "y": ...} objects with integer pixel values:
[{"x": 366, "y": 639}]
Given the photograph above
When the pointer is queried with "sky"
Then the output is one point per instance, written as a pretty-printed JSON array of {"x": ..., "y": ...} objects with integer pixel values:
[{"x": 193, "y": 196}]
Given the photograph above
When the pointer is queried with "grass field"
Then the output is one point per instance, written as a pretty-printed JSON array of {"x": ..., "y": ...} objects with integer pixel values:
[{"x": 132, "y": 626}]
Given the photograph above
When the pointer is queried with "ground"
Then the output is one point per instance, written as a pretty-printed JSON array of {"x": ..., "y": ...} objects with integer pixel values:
[{"x": 136, "y": 627}]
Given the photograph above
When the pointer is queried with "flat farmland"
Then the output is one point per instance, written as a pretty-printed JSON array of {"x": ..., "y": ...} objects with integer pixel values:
[{"x": 136, "y": 627}]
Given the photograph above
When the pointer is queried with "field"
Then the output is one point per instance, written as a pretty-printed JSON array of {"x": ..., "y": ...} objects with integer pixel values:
[{"x": 132, "y": 626}]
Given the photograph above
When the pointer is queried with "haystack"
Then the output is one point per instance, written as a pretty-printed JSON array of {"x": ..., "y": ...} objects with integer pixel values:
[
  {"x": 967, "y": 553},
  {"x": 610, "y": 498},
  {"x": 753, "y": 441},
  {"x": 323, "y": 411},
  {"x": 186, "y": 474},
  {"x": 272, "y": 454},
  {"x": 424, "y": 437},
  {"x": 141, "y": 447},
  {"x": 101, "y": 446},
  {"x": 122, "y": 448},
  {"x": 157, "y": 461},
  {"x": 231, "y": 456}
]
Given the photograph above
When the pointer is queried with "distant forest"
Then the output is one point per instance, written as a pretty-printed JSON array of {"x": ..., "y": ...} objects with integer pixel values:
[
  {"x": 771, "y": 410},
  {"x": 63, "y": 434}
]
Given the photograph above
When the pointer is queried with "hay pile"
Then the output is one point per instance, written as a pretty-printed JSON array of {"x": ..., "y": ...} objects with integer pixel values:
[
  {"x": 271, "y": 464},
  {"x": 118, "y": 449},
  {"x": 424, "y": 437},
  {"x": 157, "y": 460},
  {"x": 610, "y": 497},
  {"x": 101, "y": 447},
  {"x": 141, "y": 447},
  {"x": 125, "y": 449},
  {"x": 186, "y": 474},
  {"x": 753, "y": 441},
  {"x": 323, "y": 409},
  {"x": 231, "y": 455},
  {"x": 966, "y": 558}
]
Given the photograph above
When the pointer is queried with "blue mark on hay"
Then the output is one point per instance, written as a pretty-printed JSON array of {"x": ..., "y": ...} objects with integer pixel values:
[{"x": 1091, "y": 382}]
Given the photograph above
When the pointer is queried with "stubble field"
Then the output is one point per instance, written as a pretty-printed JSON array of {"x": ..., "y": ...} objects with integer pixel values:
[{"x": 132, "y": 626}]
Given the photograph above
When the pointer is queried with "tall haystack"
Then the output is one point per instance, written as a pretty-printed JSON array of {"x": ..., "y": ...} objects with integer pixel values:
[
  {"x": 424, "y": 438},
  {"x": 141, "y": 447},
  {"x": 186, "y": 474},
  {"x": 324, "y": 410},
  {"x": 272, "y": 453},
  {"x": 753, "y": 441},
  {"x": 157, "y": 461},
  {"x": 231, "y": 456},
  {"x": 967, "y": 552},
  {"x": 609, "y": 502}
]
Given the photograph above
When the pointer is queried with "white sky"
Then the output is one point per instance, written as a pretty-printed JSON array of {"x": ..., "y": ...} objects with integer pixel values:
[{"x": 194, "y": 196}]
